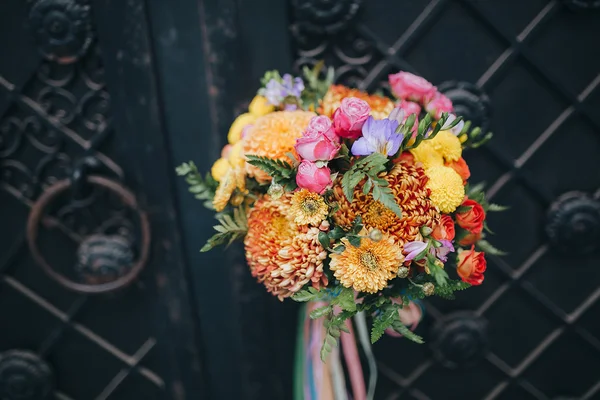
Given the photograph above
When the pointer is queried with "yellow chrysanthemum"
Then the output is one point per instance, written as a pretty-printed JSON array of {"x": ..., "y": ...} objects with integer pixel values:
[
  {"x": 219, "y": 169},
  {"x": 260, "y": 106},
  {"x": 308, "y": 208},
  {"x": 235, "y": 131},
  {"x": 447, "y": 145},
  {"x": 367, "y": 268},
  {"x": 273, "y": 135},
  {"x": 447, "y": 189},
  {"x": 426, "y": 154},
  {"x": 381, "y": 106},
  {"x": 282, "y": 255}
]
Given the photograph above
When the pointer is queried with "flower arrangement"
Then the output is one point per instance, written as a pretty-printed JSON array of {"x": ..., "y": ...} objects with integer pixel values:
[{"x": 358, "y": 201}]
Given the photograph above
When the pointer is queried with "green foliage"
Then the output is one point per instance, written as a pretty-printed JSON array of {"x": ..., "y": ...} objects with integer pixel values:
[
  {"x": 383, "y": 320},
  {"x": 202, "y": 188},
  {"x": 281, "y": 171},
  {"x": 334, "y": 325},
  {"x": 321, "y": 312},
  {"x": 316, "y": 86},
  {"x": 345, "y": 300},
  {"x": 496, "y": 207},
  {"x": 474, "y": 137},
  {"x": 369, "y": 168},
  {"x": 447, "y": 291},
  {"x": 437, "y": 273},
  {"x": 487, "y": 247},
  {"x": 402, "y": 329},
  {"x": 230, "y": 228},
  {"x": 268, "y": 76},
  {"x": 423, "y": 132},
  {"x": 309, "y": 294}
]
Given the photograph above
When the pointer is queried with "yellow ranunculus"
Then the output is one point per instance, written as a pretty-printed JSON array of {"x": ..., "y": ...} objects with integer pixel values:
[
  {"x": 235, "y": 131},
  {"x": 236, "y": 155},
  {"x": 260, "y": 106},
  {"x": 220, "y": 168}
]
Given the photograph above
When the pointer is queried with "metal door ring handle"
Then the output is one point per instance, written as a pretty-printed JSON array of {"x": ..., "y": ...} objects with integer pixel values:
[{"x": 128, "y": 198}]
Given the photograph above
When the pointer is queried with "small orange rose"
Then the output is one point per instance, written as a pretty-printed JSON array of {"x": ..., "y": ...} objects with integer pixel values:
[
  {"x": 470, "y": 239},
  {"x": 471, "y": 266},
  {"x": 461, "y": 167},
  {"x": 471, "y": 220},
  {"x": 445, "y": 229}
]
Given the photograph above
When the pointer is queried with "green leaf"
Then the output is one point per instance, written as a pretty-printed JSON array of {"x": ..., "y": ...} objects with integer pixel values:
[
  {"x": 310, "y": 294},
  {"x": 447, "y": 291},
  {"x": 321, "y": 312},
  {"x": 229, "y": 229},
  {"x": 402, "y": 329},
  {"x": 339, "y": 249},
  {"x": 410, "y": 122},
  {"x": 281, "y": 171},
  {"x": 345, "y": 300},
  {"x": 351, "y": 178},
  {"x": 496, "y": 207},
  {"x": 334, "y": 324},
  {"x": 438, "y": 273},
  {"x": 324, "y": 240},
  {"x": 354, "y": 240},
  {"x": 336, "y": 233},
  {"x": 462, "y": 209},
  {"x": 383, "y": 321},
  {"x": 384, "y": 195},
  {"x": 202, "y": 188},
  {"x": 487, "y": 247}
]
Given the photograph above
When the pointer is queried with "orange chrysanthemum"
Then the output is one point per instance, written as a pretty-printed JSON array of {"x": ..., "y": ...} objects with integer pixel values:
[
  {"x": 282, "y": 255},
  {"x": 381, "y": 106},
  {"x": 273, "y": 135},
  {"x": 369, "y": 267},
  {"x": 408, "y": 184}
]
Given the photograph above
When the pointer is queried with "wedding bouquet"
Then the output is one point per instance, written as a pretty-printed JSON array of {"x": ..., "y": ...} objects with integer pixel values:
[{"x": 357, "y": 201}]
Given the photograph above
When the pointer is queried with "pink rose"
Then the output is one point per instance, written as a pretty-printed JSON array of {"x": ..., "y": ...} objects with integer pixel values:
[
  {"x": 438, "y": 105},
  {"x": 412, "y": 87},
  {"x": 321, "y": 125},
  {"x": 349, "y": 119},
  {"x": 410, "y": 107},
  {"x": 318, "y": 148},
  {"x": 313, "y": 178}
]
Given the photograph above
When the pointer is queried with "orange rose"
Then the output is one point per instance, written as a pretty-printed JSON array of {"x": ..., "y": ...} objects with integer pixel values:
[
  {"x": 471, "y": 266},
  {"x": 461, "y": 167},
  {"x": 471, "y": 220},
  {"x": 445, "y": 229},
  {"x": 470, "y": 239}
]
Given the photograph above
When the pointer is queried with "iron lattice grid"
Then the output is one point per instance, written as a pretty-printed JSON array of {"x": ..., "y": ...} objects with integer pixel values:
[
  {"x": 411, "y": 372},
  {"x": 66, "y": 329}
]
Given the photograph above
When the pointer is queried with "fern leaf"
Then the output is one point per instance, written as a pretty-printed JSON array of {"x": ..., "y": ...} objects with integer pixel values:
[
  {"x": 383, "y": 321},
  {"x": 402, "y": 329},
  {"x": 385, "y": 195}
]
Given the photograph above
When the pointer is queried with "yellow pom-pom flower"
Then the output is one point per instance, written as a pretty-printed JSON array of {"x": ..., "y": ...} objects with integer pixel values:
[
  {"x": 260, "y": 106},
  {"x": 447, "y": 145},
  {"x": 427, "y": 155},
  {"x": 447, "y": 189},
  {"x": 235, "y": 131},
  {"x": 219, "y": 169}
]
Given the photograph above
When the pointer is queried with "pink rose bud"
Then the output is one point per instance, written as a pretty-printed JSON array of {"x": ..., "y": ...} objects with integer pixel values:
[
  {"x": 410, "y": 107},
  {"x": 349, "y": 119},
  {"x": 318, "y": 148},
  {"x": 412, "y": 87},
  {"x": 313, "y": 178},
  {"x": 438, "y": 105},
  {"x": 321, "y": 125}
]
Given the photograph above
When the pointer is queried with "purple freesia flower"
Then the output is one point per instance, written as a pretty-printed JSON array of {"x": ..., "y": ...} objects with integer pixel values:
[
  {"x": 378, "y": 136},
  {"x": 276, "y": 91},
  {"x": 413, "y": 249},
  {"x": 442, "y": 251}
]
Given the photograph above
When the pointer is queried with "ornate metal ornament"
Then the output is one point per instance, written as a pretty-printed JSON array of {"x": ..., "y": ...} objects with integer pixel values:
[
  {"x": 62, "y": 29},
  {"x": 24, "y": 376},
  {"x": 573, "y": 223},
  {"x": 460, "y": 340},
  {"x": 469, "y": 101},
  {"x": 105, "y": 262},
  {"x": 582, "y": 4},
  {"x": 324, "y": 16}
]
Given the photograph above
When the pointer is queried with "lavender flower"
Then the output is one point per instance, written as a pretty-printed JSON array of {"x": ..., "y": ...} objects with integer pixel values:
[
  {"x": 413, "y": 249},
  {"x": 378, "y": 136},
  {"x": 277, "y": 90},
  {"x": 442, "y": 252}
]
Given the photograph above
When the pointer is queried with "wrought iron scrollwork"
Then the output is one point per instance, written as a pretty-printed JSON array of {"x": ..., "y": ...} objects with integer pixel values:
[
  {"x": 459, "y": 339},
  {"x": 105, "y": 259},
  {"x": 324, "y": 16},
  {"x": 469, "y": 101},
  {"x": 62, "y": 29},
  {"x": 573, "y": 223},
  {"x": 24, "y": 376}
]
